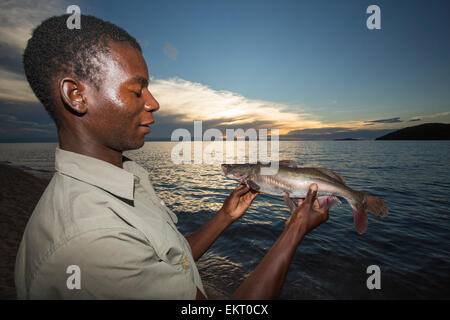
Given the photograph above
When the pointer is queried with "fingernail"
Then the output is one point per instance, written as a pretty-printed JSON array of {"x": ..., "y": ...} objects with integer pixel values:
[{"x": 314, "y": 189}]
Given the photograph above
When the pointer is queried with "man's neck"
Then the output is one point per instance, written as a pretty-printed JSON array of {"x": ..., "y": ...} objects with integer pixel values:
[{"x": 85, "y": 146}]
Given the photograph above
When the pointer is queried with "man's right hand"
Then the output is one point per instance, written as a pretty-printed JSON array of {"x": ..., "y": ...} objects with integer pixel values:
[
  {"x": 267, "y": 280},
  {"x": 308, "y": 215}
]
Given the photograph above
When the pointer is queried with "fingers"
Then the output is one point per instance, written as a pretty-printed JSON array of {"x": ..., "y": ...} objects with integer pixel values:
[
  {"x": 251, "y": 195},
  {"x": 241, "y": 189},
  {"x": 325, "y": 215},
  {"x": 322, "y": 216},
  {"x": 316, "y": 205},
  {"x": 311, "y": 196},
  {"x": 245, "y": 190}
]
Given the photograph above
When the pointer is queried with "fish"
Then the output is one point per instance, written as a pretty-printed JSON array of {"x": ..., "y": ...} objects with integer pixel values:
[{"x": 294, "y": 182}]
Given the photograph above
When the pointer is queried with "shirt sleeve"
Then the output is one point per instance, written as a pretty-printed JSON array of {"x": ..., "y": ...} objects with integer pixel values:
[{"x": 116, "y": 263}]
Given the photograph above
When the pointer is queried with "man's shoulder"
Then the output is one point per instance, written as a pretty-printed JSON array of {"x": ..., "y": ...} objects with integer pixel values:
[
  {"x": 67, "y": 201},
  {"x": 68, "y": 208}
]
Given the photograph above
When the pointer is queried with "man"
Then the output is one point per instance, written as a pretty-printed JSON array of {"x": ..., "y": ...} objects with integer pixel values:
[{"x": 99, "y": 230}]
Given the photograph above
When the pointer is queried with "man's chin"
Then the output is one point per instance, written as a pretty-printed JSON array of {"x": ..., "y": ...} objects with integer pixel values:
[
  {"x": 141, "y": 144},
  {"x": 138, "y": 145},
  {"x": 132, "y": 145}
]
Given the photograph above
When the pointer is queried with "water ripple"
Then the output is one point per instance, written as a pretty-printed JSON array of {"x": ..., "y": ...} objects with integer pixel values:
[{"x": 411, "y": 245}]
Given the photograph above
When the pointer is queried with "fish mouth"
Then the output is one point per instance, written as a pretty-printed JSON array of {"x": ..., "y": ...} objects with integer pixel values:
[
  {"x": 225, "y": 171},
  {"x": 241, "y": 179}
]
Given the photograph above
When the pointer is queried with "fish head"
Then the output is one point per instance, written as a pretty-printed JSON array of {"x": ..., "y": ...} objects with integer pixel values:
[{"x": 239, "y": 172}]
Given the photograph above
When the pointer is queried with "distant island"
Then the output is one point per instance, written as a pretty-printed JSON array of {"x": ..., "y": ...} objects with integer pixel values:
[{"x": 427, "y": 131}]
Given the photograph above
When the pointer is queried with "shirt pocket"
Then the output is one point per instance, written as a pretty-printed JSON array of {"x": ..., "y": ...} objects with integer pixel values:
[
  {"x": 174, "y": 252},
  {"x": 168, "y": 245},
  {"x": 165, "y": 241}
]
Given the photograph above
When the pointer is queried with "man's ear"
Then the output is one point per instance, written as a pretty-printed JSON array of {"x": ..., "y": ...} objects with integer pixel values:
[{"x": 72, "y": 93}]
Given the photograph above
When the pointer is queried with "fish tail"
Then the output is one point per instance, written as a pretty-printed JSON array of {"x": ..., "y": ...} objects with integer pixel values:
[
  {"x": 376, "y": 206},
  {"x": 370, "y": 203},
  {"x": 360, "y": 218}
]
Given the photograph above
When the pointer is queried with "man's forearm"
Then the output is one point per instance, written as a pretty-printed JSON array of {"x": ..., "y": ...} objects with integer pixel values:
[
  {"x": 201, "y": 239},
  {"x": 267, "y": 280}
]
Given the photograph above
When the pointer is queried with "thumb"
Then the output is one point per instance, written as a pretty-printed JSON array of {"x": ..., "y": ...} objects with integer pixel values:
[{"x": 311, "y": 196}]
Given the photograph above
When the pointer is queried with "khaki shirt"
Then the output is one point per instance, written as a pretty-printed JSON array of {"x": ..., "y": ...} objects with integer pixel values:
[{"x": 101, "y": 232}]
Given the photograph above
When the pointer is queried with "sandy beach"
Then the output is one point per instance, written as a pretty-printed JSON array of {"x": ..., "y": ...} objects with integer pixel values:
[{"x": 19, "y": 193}]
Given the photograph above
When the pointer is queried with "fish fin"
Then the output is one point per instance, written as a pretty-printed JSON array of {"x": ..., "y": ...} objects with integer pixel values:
[
  {"x": 376, "y": 206},
  {"x": 252, "y": 184},
  {"x": 271, "y": 196},
  {"x": 326, "y": 202},
  {"x": 291, "y": 204},
  {"x": 288, "y": 163},
  {"x": 332, "y": 174},
  {"x": 360, "y": 219}
]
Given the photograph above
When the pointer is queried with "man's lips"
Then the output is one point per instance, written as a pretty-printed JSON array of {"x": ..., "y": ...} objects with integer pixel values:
[
  {"x": 146, "y": 125},
  {"x": 145, "y": 129}
]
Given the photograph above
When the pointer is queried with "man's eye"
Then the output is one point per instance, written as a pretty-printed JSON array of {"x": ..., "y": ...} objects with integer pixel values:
[{"x": 138, "y": 94}]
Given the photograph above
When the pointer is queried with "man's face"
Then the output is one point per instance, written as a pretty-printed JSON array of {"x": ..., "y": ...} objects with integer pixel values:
[{"x": 120, "y": 111}]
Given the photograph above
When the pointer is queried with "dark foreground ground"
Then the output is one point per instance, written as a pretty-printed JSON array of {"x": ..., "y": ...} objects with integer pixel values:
[{"x": 19, "y": 194}]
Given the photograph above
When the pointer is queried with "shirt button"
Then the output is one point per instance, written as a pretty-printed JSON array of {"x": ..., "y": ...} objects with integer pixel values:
[
  {"x": 185, "y": 261},
  {"x": 162, "y": 203}
]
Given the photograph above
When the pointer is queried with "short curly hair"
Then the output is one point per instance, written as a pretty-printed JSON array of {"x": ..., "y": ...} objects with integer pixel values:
[{"x": 55, "y": 49}]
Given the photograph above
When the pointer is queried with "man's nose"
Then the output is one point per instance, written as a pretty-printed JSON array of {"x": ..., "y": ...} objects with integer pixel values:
[{"x": 151, "y": 104}]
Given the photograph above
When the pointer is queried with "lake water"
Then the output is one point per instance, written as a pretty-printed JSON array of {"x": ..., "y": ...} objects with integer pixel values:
[{"x": 411, "y": 245}]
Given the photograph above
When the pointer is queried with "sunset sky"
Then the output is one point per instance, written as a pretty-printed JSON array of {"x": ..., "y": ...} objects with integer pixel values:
[{"x": 311, "y": 69}]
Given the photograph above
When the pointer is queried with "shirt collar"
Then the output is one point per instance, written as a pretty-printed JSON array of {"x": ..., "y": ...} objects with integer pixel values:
[{"x": 95, "y": 172}]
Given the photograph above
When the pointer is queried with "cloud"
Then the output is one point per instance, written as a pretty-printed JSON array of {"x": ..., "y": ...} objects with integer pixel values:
[
  {"x": 431, "y": 116},
  {"x": 187, "y": 101},
  {"x": 170, "y": 51},
  {"x": 17, "y": 20},
  {"x": 443, "y": 117},
  {"x": 391, "y": 120},
  {"x": 15, "y": 87},
  {"x": 436, "y": 115},
  {"x": 11, "y": 127},
  {"x": 7, "y": 118},
  {"x": 336, "y": 133}
]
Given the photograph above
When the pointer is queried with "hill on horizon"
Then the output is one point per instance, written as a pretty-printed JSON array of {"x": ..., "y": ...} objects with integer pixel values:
[{"x": 427, "y": 131}]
